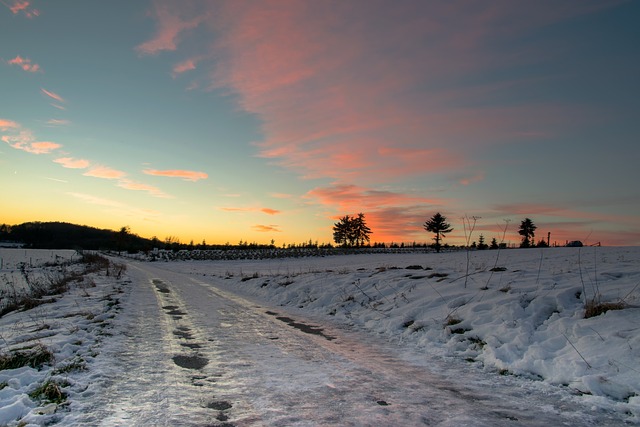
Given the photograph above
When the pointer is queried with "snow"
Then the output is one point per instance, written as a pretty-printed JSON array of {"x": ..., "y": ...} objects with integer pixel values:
[{"x": 521, "y": 325}]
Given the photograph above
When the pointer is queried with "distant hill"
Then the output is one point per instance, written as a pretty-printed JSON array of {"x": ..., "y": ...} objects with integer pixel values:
[{"x": 62, "y": 235}]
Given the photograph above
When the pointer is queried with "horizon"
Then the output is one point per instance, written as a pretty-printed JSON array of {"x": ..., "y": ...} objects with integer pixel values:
[{"x": 226, "y": 121}]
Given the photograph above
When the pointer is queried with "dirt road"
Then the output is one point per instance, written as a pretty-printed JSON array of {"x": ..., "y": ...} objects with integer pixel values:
[{"x": 186, "y": 352}]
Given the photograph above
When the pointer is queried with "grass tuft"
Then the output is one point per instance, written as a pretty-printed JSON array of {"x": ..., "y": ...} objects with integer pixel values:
[
  {"x": 34, "y": 358},
  {"x": 595, "y": 307},
  {"x": 50, "y": 391}
]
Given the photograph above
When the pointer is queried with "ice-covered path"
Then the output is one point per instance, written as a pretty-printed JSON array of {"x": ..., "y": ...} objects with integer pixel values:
[{"x": 193, "y": 354}]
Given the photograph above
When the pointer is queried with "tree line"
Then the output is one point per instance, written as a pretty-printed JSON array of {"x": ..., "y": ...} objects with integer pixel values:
[{"x": 353, "y": 232}]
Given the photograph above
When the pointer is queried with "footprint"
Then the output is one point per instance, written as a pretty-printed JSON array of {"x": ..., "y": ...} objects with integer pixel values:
[{"x": 190, "y": 362}]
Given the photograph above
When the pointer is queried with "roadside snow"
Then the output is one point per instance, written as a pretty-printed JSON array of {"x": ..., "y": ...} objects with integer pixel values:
[
  {"x": 70, "y": 329},
  {"x": 525, "y": 318}
]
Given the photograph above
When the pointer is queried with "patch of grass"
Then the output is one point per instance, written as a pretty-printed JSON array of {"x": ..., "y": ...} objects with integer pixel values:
[
  {"x": 451, "y": 320},
  {"x": 49, "y": 391},
  {"x": 595, "y": 307},
  {"x": 34, "y": 357},
  {"x": 77, "y": 364}
]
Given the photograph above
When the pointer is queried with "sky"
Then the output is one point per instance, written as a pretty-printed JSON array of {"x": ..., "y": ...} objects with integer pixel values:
[{"x": 262, "y": 121}]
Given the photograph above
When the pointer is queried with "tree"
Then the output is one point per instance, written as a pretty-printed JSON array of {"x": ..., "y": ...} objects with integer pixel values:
[
  {"x": 351, "y": 231},
  {"x": 494, "y": 244},
  {"x": 481, "y": 244},
  {"x": 438, "y": 225},
  {"x": 360, "y": 230},
  {"x": 527, "y": 231}
]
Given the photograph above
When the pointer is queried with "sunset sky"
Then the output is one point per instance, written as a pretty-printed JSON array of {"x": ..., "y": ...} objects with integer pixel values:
[{"x": 259, "y": 120}]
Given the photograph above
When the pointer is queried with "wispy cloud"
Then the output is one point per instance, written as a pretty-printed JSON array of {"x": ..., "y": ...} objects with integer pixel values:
[
  {"x": 56, "y": 180},
  {"x": 137, "y": 186},
  {"x": 177, "y": 173},
  {"x": 184, "y": 66},
  {"x": 266, "y": 228},
  {"x": 25, "y": 64},
  {"x": 105, "y": 172},
  {"x": 172, "y": 20},
  {"x": 267, "y": 211},
  {"x": 8, "y": 124},
  {"x": 53, "y": 95},
  {"x": 21, "y": 6},
  {"x": 23, "y": 139},
  {"x": 95, "y": 200},
  {"x": 71, "y": 163},
  {"x": 58, "y": 122},
  {"x": 382, "y": 105},
  {"x": 270, "y": 211},
  {"x": 114, "y": 206}
]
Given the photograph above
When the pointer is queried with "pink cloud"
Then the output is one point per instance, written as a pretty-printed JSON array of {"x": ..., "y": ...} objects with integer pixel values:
[
  {"x": 266, "y": 228},
  {"x": 25, "y": 64},
  {"x": 172, "y": 20},
  {"x": 137, "y": 186},
  {"x": 184, "y": 66},
  {"x": 176, "y": 173},
  {"x": 22, "y": 6},
  {"x": 52, "y": 95},
  {"x": 104, "y": 172},
  {"x": 340, "y": 99},
  {"x": 23, "y": 139},
  {"x": 8, "y": 124},
  {"x": 391, "y": 216},
  {"x": 71, "y": 163}
]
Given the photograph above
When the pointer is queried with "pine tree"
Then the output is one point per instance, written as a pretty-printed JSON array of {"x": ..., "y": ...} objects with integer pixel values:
[
  {"x": 527, "y": 231},
  {"x": 494, "y": 244},
  {"x": 438, "y": 225}
]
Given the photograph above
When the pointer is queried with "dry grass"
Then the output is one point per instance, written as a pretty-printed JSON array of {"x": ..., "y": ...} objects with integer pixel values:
[{"x": 595, "y": 307}]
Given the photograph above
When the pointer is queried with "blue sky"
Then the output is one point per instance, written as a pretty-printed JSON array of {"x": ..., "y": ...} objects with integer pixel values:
[{"x": 230, "y": 120}]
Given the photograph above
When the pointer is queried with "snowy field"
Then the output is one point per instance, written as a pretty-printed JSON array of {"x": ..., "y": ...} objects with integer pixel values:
[
  {"x": 516, "y": 314},
  {"x": 524, "y": 318},
  {"x": 14, "y": 261}
]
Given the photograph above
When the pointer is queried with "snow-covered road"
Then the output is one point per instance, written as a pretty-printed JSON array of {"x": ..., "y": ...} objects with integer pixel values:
[{"x": 193, "y": 354}]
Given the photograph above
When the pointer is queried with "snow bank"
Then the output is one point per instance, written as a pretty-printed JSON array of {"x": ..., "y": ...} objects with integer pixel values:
[{"x": 515, "y": 312}]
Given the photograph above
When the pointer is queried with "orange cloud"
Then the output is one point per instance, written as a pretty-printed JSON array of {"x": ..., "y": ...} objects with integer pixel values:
[
  {"x": 266, "y": 228},
  {"x": 391, "y": 216},
  {"x": 137, "y": 186},
  {"x": 269, "y": 211},
  {"x": 24, "y": 139},
  {"x": 8, "y": 124},
  {"x": 71, "y": 163},
  {"x": 184, "y": 174},
  {"x": 25, "y": 64},
  {"x": 104, "y": 172},
  {"x": 52, "y": 95}
]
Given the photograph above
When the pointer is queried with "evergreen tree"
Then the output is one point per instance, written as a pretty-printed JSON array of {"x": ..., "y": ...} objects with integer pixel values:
[
  {"x": 481, "y": 244},
  {"x": 438, "y": 225},
  {"x": 527, "y": 231},
  {"x": 494, "y": 244},
  {"x": 351, "y": 231}
]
